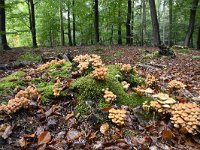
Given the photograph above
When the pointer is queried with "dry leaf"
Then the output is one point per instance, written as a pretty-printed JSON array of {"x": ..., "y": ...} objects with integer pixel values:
[
  {"x": 104, "y": 128},
  {"x": 29, "y": 135},
  {"x": 69, "y": 116},
  {"x": 22, "y": 142},
  {"x": 7, "y": 132},
  {"x": 44, "y": 138},
  {"x": 73, "y": 134},
  {"x": 167, "y": 135}
]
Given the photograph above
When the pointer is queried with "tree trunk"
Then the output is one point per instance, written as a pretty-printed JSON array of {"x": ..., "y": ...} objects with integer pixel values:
[
  {"x": 69, "y": 26},
  {"x": 132, "y": 19},
  {"x": 143, "y": 29},
  {"x": 32, "y": 22},
  {"x": 111, "y": 35},
  {"x": 3, "y": 39},
  {"x": 62, "y": 36},
  {"x": 191, "y": 23},
  {"x": 170, "y": 22},
  {"x": 198, "y": 39},
  {"x": 74, "y": 23},
  {"x": 155, "y": 25},
  {"x": 119, "y": 26},
  {"x": 96, "y": 20},
  {"x": 128, "y": 24}
]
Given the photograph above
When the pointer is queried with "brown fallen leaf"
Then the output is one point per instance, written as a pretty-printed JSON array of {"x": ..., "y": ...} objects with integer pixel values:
[
  {"x": 167, "y": 135},
  {"x": 7, "y": 132},
  {"x": 69, "y": 116},
  {"x": 73, "y": 134},
  {"x": 44, "y": 137},
  {"x": 29, "y": 135},
  {"x": 22, "y": 142},
  {"x": 104, "y": 128}
]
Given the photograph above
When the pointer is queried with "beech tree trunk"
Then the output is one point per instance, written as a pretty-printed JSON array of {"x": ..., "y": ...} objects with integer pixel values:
[
  {"x": 155, "y": 25},
  {"x": 191, "y": 23},
  {"x": 170, "y": 22},
  {"x": 62, "y": 35},
  {"x": 143, "y": 28},
  {"x": 74, "y": 23},
  {"x": 128, "y": 24},
  {"x": 119, "y": 26},
  {"x": 32, "y": 22},
  {"x": 69, "y": 26},
  {"x": 96, "y": 20},
  {"x": 3, "y": 39},
  {"x": 198, "y": 39}
]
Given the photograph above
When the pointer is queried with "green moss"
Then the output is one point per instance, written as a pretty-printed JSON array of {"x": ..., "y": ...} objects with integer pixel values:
[
  {"x": 81, "y": 108},
  {"x": 58, "y": 71},
  {"x": 11, "y": 81},
  {"x": 88, "y": 88},
  {"x": 28, "y": 56},
  {"x": 46, "y": 90}
]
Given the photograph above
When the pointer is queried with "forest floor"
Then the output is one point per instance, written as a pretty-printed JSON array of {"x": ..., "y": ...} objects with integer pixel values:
[{"x": 57, "y": 127}]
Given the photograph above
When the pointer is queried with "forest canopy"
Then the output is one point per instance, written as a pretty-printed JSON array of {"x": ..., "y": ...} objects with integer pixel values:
[{"x": 71, "y": 22}]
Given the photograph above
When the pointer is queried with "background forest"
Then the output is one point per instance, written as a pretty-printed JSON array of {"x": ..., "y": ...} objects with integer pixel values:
[{"x": 87, "y": 22}]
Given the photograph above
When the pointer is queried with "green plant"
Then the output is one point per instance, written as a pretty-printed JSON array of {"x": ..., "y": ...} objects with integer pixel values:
[
  {"x": 196, "y": 57},
  {"x": 28, "y": 56}
]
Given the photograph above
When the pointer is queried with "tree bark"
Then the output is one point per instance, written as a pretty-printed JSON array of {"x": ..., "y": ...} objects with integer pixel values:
[
  {"x": 96, "y": 20},
  {"x": 143, "y": 29},
  {"x": 191, "y": 23},
  {"x": 170, "y": 22},
  {"x": 3, "y": 39},
  {"x": 155, "y": 25},
  {"x": 74, "y": 23},
  {"x": 32, "y": 22},
  {"x": 128, "y": 24},
  {"x": 198, "y": 39},
  {"x": 119, "y": 26},
  {"x": 62, "y": 36},
  {"x": 69, "y": 26}
]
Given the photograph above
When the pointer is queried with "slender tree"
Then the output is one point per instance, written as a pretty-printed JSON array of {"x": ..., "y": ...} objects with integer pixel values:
[
  {"x": 128, "y": 24},
  {"x": 170, "y": 22},
  {"x": 62, "y": 35},
  {"x": 198, "y": 39},
  {"x": 74, "y": 23},
  {"x": 96, "y": 20},
  {"x": 3, "y": 39},
  {"x": 155, "y": 25},
  {"x": 191, "y": 23},
  {"x": 143, "y": 28},
  {"x": 69, "y": 25},
  {"x": 31, "y": 7},
  {"x": 119, "y": 26}
]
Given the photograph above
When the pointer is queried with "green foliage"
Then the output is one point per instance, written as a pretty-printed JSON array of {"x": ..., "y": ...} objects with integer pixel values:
[
  {"x": 11, "y": 81},
  {"x": 196, "y": 57},
  {"x": 184, "y": 50},
  {"x": 29, "y": 56},
  {"x": 82, "y": 108}
]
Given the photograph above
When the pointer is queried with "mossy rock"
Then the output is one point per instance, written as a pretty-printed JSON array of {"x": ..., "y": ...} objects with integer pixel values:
[
  {"x": 11, "y": 81},
  {"x": 89, "y": 89}
]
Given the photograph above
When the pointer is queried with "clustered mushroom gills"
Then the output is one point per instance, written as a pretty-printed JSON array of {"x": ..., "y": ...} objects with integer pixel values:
[
  {"x": 126, "y": 68},
  {"x": 109, "y": 96},
  {"x": 100, "y": 73},
  {"x": 57, "y": 87},
  {"x": 174, "y": 84},
  {"x": 53, "y": 62},
  {"x": 118, "y": 116},
  {"x": 21, "y": 100},
  {"x": 125, "y": 85},
  {"x": 150, "y": 79},
  {"x": 186, "y": 115},
  {"x": 163, "y": 103},
  {"x": 85, "y": 61}
]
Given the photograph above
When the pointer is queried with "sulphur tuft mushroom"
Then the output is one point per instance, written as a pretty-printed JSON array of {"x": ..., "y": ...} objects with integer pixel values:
[
  {"x": 126, "y": 68},
  {"x": 100, "y": 73},
  {"x": 57, "y": 87},
  {"x": 150, "y": 79},
  {"x": 186, "y": 115},
  {"x": 174, "y": 84},
  {"x": 118, "y": 116},
  {"x": 109, "y": 96},
  {"x": 125, "y": 85}
]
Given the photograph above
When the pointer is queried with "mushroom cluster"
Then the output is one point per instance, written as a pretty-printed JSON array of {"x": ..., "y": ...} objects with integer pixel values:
[
  {"x": 85, "y": 61},
  {"x": 109, "y": 96},
  {"x": 57, "y": 87},
  {"x": 100, "y": 73},
  {"x": 141, "y": 91},
  {"x": 48, "y": 64},
  {"x": 126, "y": 68},
  {"x": 118, "y": 116},
  {"x": 14, "y": 105},
  {"x": 29, "y": 93},
  {"x": 125, "y": 85},
  {"x": 163, "y": 103},
  {"x": 186, "y": 115},
  {"x": 174, "y": 84},
  {"x": 150, "y": 79}
]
